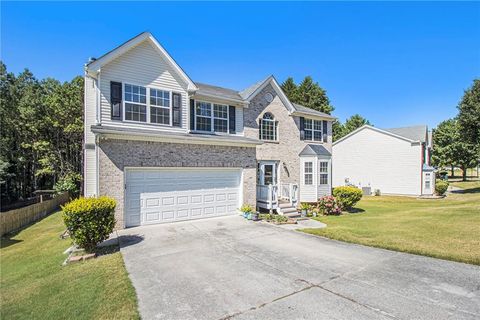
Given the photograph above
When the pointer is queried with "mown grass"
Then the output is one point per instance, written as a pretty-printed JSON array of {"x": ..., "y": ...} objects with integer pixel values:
[
  {"x": 446, "y": 228},
  {"x": 34, "y": 285}
]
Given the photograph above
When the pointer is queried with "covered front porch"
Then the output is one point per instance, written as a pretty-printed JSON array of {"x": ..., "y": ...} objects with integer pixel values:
[{"x": 273, "y": 194}]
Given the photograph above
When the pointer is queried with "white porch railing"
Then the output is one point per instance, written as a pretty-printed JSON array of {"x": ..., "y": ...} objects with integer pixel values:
[
  {"x": 269, "y": 195},
  {"x": 289, "y": 192}
]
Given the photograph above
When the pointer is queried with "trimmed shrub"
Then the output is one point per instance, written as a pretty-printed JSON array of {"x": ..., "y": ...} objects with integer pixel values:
[
  {"x": 328, "y": 205},
  {"x": 347, "y": 197},
  {"x": 441, "y": 187},
  {"x": 89, "y": 221}
]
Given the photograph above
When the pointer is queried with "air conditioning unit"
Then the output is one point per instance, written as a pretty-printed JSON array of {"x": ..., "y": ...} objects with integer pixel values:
[{"x": 367, "y": 191}]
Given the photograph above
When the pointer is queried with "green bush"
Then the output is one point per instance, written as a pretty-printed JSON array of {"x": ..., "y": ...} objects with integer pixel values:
[
  {"x": 89, "y": 221},
  {"x": 70, "y": 183},
  {"x": 347, "y": 197},
  {"x": 441, "y": 187}
]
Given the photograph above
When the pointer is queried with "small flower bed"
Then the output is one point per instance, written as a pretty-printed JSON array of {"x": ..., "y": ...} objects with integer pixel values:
[{"x": 276, "y": 218}]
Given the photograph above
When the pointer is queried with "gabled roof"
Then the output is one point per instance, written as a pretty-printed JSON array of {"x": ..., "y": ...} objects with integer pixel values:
[
  {"x": 366, "y": 126},
  {"x": 252, "y": 91},
  {"x": 301, "y": 110},
  {"x": 95, "y": 65},
  {"x": 314, "y": 150},
  {"x": 210, "y": 90},
  {"x": 415, "y": 133}
]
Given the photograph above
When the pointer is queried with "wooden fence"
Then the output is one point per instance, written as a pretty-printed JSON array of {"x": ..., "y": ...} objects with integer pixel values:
[{"x": 13, "y": 220}]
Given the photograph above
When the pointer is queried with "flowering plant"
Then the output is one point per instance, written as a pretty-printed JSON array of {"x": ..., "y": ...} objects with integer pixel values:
[{"x": 328, "y": 205}]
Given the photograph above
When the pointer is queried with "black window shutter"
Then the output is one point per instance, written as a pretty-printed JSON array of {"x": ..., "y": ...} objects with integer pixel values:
[
  {"x": 325, "y": 131},
  {"x": 302, "y": 128},
  {"x": 192, "y": 114},
  {"x": 260, "y": 129},
  {"x": 231, "y": 119},
  {"x": 116, "y": 100},
  {"x": 177, "y": 109}
]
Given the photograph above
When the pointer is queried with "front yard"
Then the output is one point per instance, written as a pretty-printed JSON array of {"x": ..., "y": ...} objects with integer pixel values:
[
  {"x": 35, "y": 286},
  {"x": 447, "y": 228}
]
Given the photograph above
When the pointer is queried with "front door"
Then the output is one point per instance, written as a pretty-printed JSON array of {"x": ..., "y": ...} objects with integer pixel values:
[{"x": 267, "y": 172}]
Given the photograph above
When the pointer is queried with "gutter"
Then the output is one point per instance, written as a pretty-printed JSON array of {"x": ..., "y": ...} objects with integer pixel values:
[{"x": 183, "y": 138}]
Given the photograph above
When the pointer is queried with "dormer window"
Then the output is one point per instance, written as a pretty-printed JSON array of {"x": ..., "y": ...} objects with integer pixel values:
[{"x": 268, "y": 128}]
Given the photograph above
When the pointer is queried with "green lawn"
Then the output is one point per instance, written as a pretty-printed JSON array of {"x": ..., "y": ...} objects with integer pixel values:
[
  {"x": 34, "y": 285},
  {"x": 446, "y": 228}
]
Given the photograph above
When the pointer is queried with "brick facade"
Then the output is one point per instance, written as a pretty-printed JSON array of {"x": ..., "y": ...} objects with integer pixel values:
[
  {"x": 115, "y": 155},
  {"x": 289, "y": 145}
]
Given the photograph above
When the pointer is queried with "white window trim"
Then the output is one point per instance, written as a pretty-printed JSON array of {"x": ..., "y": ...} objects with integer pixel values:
[
  {"x": 275, "y": 128},
  {"x": 212, "y": 117},
  {"x": 148, "y": 105},
  {"x": 309, "y": 173},
  {"x": 320, "y": 173},
  {"x": 313, "y": 130}
]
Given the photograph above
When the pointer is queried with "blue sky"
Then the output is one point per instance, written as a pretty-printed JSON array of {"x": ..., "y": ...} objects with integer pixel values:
[{"x": 395, "y": 63}]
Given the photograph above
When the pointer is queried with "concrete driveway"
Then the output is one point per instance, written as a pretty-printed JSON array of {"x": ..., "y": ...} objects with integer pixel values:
[{"x": 229, "y": 268}]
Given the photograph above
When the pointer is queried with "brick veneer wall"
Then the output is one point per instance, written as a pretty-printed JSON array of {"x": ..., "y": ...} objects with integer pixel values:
[
  {"x": 115, "y": 155},
  {"x": 289, "y": 144}
]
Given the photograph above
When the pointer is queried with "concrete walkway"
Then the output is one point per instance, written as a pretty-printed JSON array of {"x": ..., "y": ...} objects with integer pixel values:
[{"x": 230, "y": 268}]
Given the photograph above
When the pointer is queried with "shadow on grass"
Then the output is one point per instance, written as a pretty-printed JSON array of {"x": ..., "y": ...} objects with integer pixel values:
[
  {"x": 470, "y": 190},
  {"x": 7, "y": 241},
  {"x": 355, "y": 210}
]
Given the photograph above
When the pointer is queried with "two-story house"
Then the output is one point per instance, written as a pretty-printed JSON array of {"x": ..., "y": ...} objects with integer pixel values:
[{"x": 169, "y": 149}]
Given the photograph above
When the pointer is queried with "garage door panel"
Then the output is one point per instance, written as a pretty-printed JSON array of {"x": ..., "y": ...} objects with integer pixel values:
[{"x": 159, "y": 195}]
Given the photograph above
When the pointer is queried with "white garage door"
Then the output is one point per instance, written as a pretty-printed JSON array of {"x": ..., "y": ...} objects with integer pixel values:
[{"x": 166, "y": 195}]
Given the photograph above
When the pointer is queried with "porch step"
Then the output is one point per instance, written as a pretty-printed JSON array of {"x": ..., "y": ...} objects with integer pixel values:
[
  {"x": 284, "y": 205},
  {"x": 287, "y": 210},
  {"x": 292, "y": 215}
]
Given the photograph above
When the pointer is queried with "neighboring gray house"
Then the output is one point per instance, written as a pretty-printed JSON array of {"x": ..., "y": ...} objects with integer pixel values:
[
  {"x": 170, "y": 149},
  {"x": 394, "y": 161}
]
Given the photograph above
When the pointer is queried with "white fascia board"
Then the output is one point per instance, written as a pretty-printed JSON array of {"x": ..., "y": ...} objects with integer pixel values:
[
  {"x": 311, "y": 116},
  {"x": 220, "y": 99},
  {"x": 190, "y": 139}
]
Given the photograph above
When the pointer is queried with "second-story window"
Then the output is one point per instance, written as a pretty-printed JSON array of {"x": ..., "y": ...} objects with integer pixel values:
[
  {"x": 159, "y": 106},
  {"x": 211, "y": 117},
  {"x": 135, "y": 103},
  {"x": 313, "y": 130},
  {"x": 268, "y": 127}
]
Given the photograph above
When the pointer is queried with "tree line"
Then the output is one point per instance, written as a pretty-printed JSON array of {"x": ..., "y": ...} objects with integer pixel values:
[
  {"x": 456, "y": 141},
  {"x": 41, "y": 134},
  {"x": 309, "y": 94}
]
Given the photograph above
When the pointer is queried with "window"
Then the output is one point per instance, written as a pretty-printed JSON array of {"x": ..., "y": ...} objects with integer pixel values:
[
  {"x": 220, "y": 118},
  {"x": 268, "y": 127},
  {"x": 147, "y": 105},
  {"x": 427, "y": 180},
  {"x": 135, "y": 103},
  {"x": 308, "y": 170},
  {"x": 159, "y": 106},
  {"x": 323, "y": 170},
  {"x": 313, "y": 130},
  {"x": 211, "y": 117}
]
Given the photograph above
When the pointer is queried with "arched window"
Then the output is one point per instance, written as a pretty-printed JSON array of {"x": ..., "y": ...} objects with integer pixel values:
[{"x": 268, "y": 127}]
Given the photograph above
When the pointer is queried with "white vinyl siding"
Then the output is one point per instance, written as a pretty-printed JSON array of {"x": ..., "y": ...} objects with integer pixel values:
[
  {"x": 375, "y": 159},
  {"x": 142, "y": 66},
  {"x": 239, "y": 120},
  {"x": 90, "y": 158},
  {"x": 90, "y": 174},
  {"x": 90, "y": 108}
]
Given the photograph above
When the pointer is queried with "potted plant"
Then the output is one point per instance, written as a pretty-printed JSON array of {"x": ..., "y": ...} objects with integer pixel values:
[
  {"x": 255, "y": 216},
  {"x": 304, "y": 208},
  {"x": 246, "y": 209}
]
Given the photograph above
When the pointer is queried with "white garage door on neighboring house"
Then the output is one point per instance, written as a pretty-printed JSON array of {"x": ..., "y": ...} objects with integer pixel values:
[{"x": 159, "y": 195}]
